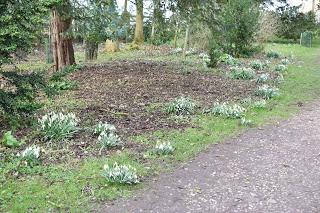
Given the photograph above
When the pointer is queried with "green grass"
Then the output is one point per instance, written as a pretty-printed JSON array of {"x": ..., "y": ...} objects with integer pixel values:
[
  {"x": 77, "y": 185},
  {"x": 70, "y": 187}
]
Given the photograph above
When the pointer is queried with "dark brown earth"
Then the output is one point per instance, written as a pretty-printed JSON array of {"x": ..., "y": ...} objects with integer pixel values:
[
  {"x": 273, "y": 169},
  {"x": 131, "y": 94}
]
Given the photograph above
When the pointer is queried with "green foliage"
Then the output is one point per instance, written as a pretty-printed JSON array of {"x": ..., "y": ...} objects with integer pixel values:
[
  {"x": 10, "y": 141},
  {"x": 181, "y": 106},
  {"x": 20, "y": 24},
  {"x": 267, "y": 92},
  {"x": 214, "y": 54},
  {"x": 104, "y": 127},
  {"x": 229, "y": 111},
  {"x": 294, "y": 22},
  {"x": 257, "y": 65},
  {"x": 260, "y": 104},
  {"x": 58, "y": 126},
  {"x": 164, "y": 148},
  {"x": 109, "y": 140},
  {"x": 31, "y": 155},
  {"x": 246, "y": 122},
  {"x": 229, "y": 60},
  {"x": 263, "y": 78},
  {"x": 122, "y": 174},
  {"x": 281, "y": 68},
  {"x": 238, "y": 25},
  {"x": 273, "y": 54},
  {"x": 242, "y": 73},
  {"x": 19, "y": 98}
]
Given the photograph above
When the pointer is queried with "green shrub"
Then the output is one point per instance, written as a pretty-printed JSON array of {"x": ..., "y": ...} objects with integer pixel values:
[
  {"x": 229, "y": 111},
  {"x": 163, "y": 148},
  {"x": 229, "y": 60},
  {"x": 19, "y": 98},
  {"x": 242, "y": 73},
  {"x": 214, "y": 54},
  {"x": 267, "y": 92},
  {"x": 58, "y": 126},
  {"x": 10, "y": 141},
  {"x": 273, "y": 54},
  {"x": 257, "y": 65},
  {"x": 122, "y": 174},
  {"x": 181, "y": 106},
  {"x": 238, "y": 24}
]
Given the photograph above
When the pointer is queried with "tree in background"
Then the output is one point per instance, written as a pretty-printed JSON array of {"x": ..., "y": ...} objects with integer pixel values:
[
  {"x": 20, "y": 24},
  {"x": 293, "y": 22},
  {"x": 138, "y": 33},
  {"x": 97, "y": 21},
  {"x": 63, "y": 53},
  {"x": 238, "y": 25}
]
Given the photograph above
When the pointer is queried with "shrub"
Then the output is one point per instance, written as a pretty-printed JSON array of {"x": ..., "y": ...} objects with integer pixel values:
[
  {"x": 229, "y": 60},
  {"x": 214, "y": 53},
  {"x": 109, "y": 140},
  {"x": 181, "y": 106},
  {"x": 242, "y": 73},
  {"x": 164, "y": 148},
  {"x": 267, "y": 92},
  {"x": 229, "y": 111},
  {"x": 123, "y": 174},
  {"x": 31, "y": 155},
  {"x": 260, "y": 104},
  {"x": 10, "y": 141},
  {"x": 58, "y": 126},
  {"x": 104, "y": 127},
  {"x": 273, "y": 54},
  {"x": 238, "y": 24},
  {"x": 257, "y": 65},
  {"x": 19, "y": 96},
  {"x": 263, "y": 78},
  {"x": 281, "y": 68}
]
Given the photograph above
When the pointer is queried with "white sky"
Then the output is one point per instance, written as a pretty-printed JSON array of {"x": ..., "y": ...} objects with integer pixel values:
[{"x": 307, "y": 4}]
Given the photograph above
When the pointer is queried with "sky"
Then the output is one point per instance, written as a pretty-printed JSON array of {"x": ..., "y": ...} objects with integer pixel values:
[{"x": 307, "y": 4}]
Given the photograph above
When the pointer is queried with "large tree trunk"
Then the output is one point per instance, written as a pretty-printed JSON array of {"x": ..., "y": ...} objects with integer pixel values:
[
  {"x": 63, "y": 53},
  {"x": 138, "y": 34},
  {"x": 186, "y": 41},
  {"x": 91, "y": 50}
]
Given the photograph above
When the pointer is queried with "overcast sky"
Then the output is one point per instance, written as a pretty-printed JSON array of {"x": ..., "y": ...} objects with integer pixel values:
[{"x": 307, "y": 4}]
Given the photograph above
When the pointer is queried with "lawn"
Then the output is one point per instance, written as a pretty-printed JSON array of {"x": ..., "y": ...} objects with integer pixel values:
[{"x": 132, "y": 93}]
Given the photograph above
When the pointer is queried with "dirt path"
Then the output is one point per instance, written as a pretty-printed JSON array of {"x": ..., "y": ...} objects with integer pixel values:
[{"x": 274, "y": 169}]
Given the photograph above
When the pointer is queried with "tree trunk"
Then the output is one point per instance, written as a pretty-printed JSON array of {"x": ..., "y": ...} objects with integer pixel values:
[
  {"x": 63, "y": 53},
  {"x": 186, "y": 42},
  {"x": 91, "y": 50},
  {"x": 138, "y": 34},
  {"x": 49, "y": 54},
  {"x": 125, "y": 6},
  {"x": 175, "y": 39}
]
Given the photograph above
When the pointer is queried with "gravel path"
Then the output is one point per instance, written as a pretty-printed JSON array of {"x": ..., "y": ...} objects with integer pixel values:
[{"x": 274, "y": 169}]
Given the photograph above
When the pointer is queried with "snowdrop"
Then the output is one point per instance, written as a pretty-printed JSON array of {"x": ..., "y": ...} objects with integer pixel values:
[{"x": 123, "y": 174}]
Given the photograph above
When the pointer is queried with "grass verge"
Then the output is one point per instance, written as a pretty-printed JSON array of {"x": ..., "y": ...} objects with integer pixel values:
[{"x": 77, "y": 186}]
